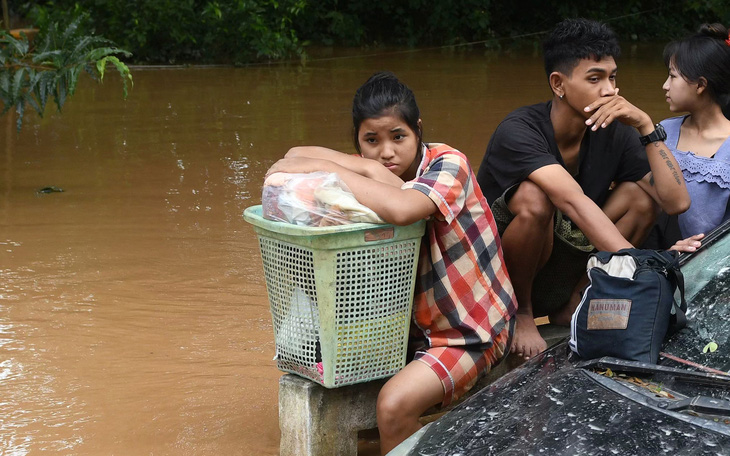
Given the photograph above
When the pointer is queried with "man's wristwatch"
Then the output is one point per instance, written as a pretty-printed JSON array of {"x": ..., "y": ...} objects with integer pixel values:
[{"x": 657, "y": 135}]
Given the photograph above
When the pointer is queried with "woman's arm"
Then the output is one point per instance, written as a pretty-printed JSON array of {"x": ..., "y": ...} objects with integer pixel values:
[
  {"x": 689, "y": 244},
  {"x": 665, "y": 183},
  {"x": 362, "y": 166},
  {"x": 390, "y": 202}
]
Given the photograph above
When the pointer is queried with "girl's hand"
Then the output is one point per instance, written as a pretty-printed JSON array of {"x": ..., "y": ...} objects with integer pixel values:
[
  {"x": 300, "y": 165},
  {"x": 690, "y": 244}
]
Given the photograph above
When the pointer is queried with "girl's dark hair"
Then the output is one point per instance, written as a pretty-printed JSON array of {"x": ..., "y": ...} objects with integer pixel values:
[
  {"x": 384, "y": 94},
  {"x": 705, "y": 54}
]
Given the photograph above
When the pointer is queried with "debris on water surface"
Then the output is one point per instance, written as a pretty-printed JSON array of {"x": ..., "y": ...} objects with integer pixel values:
[{"x": 50, "y": 189}]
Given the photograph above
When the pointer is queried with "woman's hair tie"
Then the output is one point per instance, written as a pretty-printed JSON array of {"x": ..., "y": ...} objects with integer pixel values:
[{"x": 727, "y": 41}]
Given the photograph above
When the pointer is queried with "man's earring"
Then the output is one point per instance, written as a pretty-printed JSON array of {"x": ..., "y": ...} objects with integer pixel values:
[{"x": 561, "y": 96}]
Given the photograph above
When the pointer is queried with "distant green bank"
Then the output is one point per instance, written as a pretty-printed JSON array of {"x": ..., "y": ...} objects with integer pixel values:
[{"x": 245, "y": 31}]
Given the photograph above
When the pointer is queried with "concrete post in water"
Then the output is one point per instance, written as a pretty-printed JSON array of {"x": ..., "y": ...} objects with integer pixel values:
[{"x": 316, "y": 421}]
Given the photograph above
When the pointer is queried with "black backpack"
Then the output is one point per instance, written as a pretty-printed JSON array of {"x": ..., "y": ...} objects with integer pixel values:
[{"x": 629, "y": 308}]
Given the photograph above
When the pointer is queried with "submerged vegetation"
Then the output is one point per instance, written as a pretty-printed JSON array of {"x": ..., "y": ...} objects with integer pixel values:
[{"x": 32, "y": 72}]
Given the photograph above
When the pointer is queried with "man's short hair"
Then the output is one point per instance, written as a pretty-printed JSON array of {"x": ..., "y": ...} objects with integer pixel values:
[{"x": 573, "y": 40}]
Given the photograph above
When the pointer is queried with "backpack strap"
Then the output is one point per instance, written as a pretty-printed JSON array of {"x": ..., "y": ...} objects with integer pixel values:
[{"x": 679, "y": 319}]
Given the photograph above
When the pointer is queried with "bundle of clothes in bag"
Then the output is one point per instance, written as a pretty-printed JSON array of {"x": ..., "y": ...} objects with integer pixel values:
[{"x": 312, "y": 199}]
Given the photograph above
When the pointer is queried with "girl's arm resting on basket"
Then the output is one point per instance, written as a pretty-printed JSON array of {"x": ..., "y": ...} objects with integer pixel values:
[
  {"x": 355, "y": 163},
  {"x": 391, "y": 203}
]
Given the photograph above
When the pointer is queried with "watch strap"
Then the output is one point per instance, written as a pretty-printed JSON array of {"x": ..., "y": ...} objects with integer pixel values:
[{"x": 657, "y": 135}]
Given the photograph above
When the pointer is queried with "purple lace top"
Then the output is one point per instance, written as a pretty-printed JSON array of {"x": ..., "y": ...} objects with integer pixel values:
[{"x": 708, "y": 183}]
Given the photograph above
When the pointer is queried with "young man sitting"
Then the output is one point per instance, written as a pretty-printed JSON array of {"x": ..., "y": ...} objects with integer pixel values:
[{"x": 580, "y": 172}]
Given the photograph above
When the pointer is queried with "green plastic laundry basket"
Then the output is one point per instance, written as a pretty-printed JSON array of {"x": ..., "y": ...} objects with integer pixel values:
[{"x": 340, "y": 296}]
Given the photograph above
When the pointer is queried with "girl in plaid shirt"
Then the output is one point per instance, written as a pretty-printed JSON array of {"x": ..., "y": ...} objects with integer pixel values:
[{"x": 464, "y": 300}]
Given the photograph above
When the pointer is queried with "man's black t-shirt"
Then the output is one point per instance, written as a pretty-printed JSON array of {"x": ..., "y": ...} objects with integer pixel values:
[{"x": 525, "y": 142}]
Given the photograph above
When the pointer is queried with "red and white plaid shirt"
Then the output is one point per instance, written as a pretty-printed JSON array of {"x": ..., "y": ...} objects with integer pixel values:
[{"x": 464, "y": 296}]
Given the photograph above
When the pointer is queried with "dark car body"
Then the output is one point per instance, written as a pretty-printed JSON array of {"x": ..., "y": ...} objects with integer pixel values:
[{"x": 558, "y": 404}]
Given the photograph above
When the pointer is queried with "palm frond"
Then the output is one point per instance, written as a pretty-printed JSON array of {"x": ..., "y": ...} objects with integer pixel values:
[{"x": 30, "y": 77}]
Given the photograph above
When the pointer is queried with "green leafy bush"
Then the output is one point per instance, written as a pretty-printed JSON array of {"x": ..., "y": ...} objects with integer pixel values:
[
  {"x": 180, "y": 31},
  {"x": 408, "y": 22},
  {"x": 242, "y": 31},
  {"x": 30, "y": 76}
]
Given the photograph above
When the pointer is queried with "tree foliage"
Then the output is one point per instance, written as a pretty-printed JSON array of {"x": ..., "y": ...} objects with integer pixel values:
[
  {"x": 30, "y": 76},
  {"x": 406, "y": 22},
  {"x": 180, "y": 31},
  {"x": 443, "y": 22},
  {"x": 242, "y": 31}
]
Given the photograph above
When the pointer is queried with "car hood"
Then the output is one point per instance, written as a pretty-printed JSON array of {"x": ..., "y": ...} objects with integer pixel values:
[{"x": 552, "y": 407}]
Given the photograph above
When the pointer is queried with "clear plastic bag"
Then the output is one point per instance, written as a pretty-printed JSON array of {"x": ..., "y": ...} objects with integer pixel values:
[{"x": 313, "y": 199}]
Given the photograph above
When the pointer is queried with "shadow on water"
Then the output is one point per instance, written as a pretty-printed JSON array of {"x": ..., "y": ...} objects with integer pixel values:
[{"x": 133, "y": 312}]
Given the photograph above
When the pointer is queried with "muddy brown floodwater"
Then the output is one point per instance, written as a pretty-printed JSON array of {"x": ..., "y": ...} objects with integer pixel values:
[{"x": 133, "y": 310}]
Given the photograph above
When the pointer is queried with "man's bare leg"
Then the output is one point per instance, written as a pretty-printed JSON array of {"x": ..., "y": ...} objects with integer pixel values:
[
  {"x": 565, "y": 314},
  {"x": 527, "y": 243},
  {"x": 632, "y": 210}
]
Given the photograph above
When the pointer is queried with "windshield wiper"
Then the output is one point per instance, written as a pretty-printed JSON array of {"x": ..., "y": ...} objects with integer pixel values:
[
  {"x": 711, "y": 411},
  {"x": 699, "y": 404},
  {"x": 622, "y": 365}
]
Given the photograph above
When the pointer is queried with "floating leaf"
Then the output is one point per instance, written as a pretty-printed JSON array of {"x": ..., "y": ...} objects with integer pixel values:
[{"x": 711, "y": 347}]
